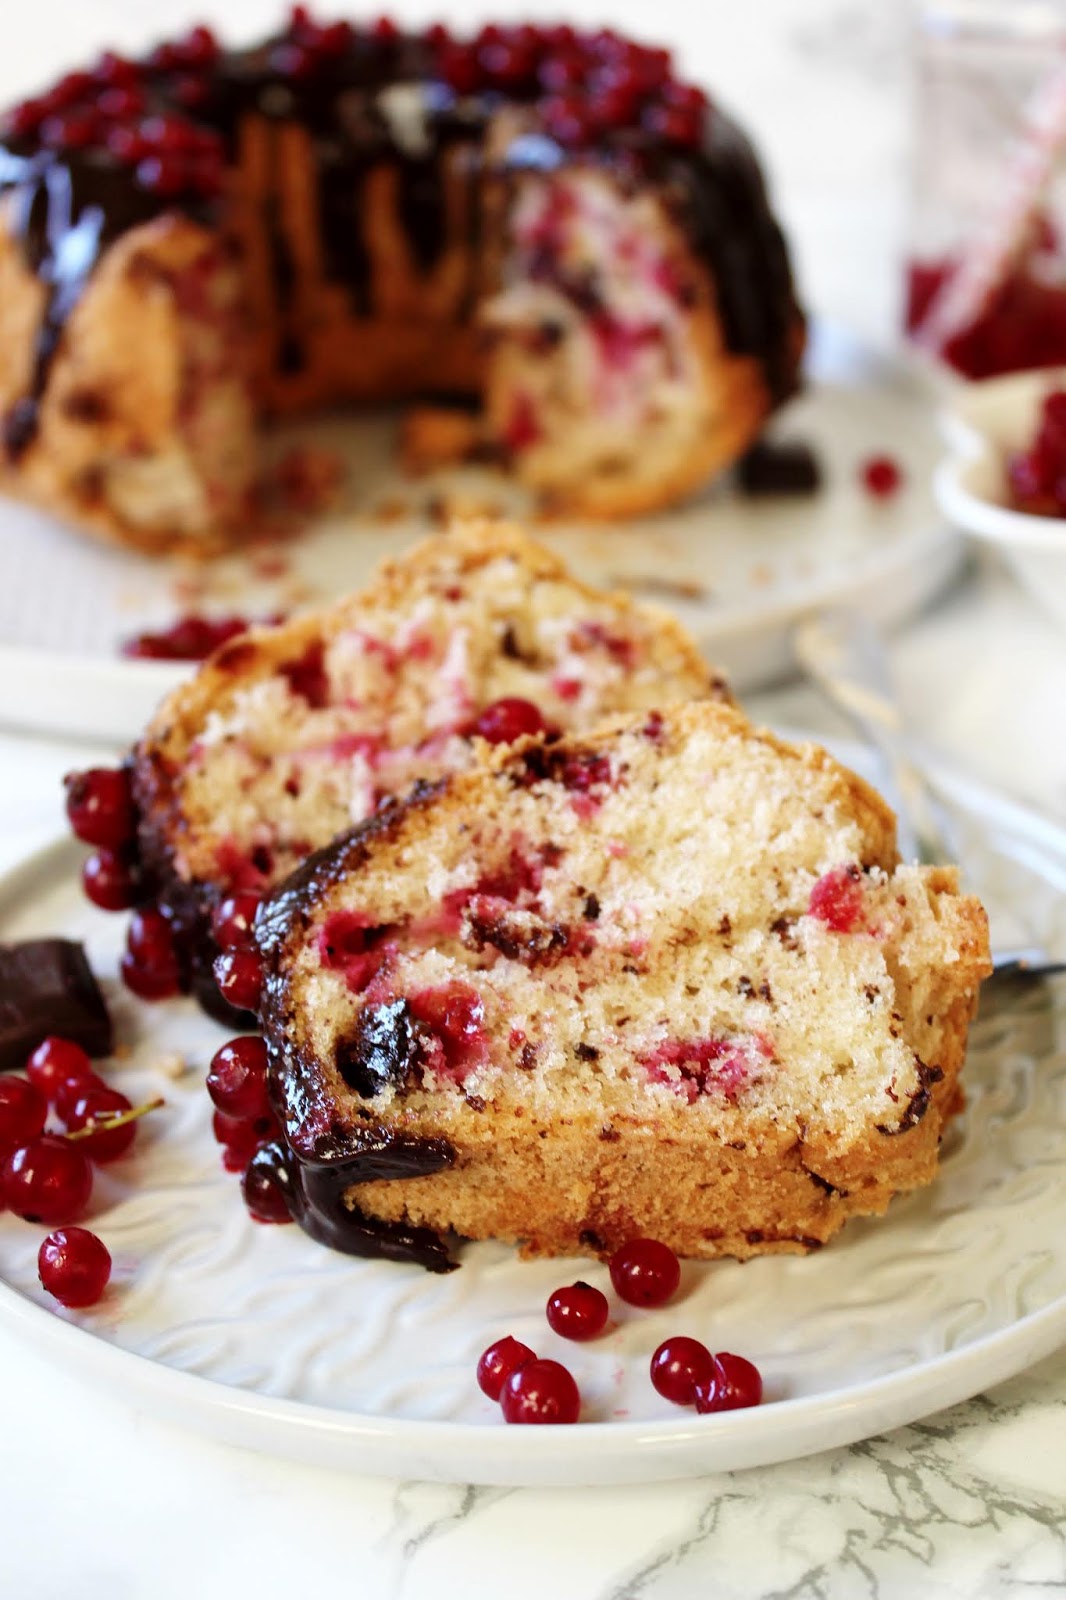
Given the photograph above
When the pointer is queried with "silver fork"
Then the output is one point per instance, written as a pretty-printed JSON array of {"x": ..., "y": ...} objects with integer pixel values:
[{"x": 843, "y": 654}]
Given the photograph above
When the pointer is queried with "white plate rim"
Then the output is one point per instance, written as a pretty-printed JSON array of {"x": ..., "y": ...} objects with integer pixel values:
[{"x": 592, "y": 1453}]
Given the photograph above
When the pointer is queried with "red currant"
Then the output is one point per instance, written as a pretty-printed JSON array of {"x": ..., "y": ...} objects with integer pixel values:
[
  {"x": 508, "y": 719},
  {"x": 678, "y": 1366},
  {"x": 837, "y": 899},
  {"x": 48, "y": 1180},
  {"x": 23, "y": 1109},
  {"x": 239, "y": 975},
  {"x": 74, "y": 1266},
  {"x": 147, "y": 983},
  {"x": 69, "y": 1092},
  {"x": 108, "y": 881},
  {"x": 540, "y": 1392},
  {"x": 499, "y": 1361},
  {"x": 237, "y": 1079},
  {"x": 241, "y": 1137},
  {"x": 150, "y": 940},
  {"x": 100, "y": 806},
  {"x": 263, "y": 1189},
  {"x": 881, "y": 477},
  {"x": 231, "y": 922},
  {"x": 734, "y": 1384},
  {"x": 98, "y": 1105},
  {"x": 54, "y": 1061},
  {"x": 645, "y": 1272},
  {"x": 579, "y": 1312}
]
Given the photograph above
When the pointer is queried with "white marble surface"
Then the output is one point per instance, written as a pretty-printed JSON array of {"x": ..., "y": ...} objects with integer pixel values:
[{"x": 100, "y": 1502}]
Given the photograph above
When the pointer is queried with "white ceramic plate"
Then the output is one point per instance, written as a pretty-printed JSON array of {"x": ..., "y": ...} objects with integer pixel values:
[
  {"x": 752, "y": 566},
  {"x": 260, "y": 1337},
  {"x": 983, "y": 423}
]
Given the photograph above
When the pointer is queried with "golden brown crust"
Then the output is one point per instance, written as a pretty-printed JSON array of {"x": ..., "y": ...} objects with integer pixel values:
[
  {"x": 161, "y": 758},
  {"x": 117, "y": 392}
]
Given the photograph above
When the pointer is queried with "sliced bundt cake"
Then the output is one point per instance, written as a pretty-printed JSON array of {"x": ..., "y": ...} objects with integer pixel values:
[
  {"x": 548, "y": 225},
  {"x": 668, "y": 979},
  {"x": 291, "y": 734}
]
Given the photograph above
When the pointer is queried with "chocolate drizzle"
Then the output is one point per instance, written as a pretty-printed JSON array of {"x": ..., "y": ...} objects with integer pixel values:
[
  {"x": 315, "y": 1193},
  {"x": 328, "y": 1149},
  {"x": 65, "y": 211}
]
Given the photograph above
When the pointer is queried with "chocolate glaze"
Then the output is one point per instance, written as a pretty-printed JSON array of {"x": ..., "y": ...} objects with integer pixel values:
[
  {"x": 377, "y": 102},
  {"x": 328, "y": 1148},
  {"x": 47, "y": 987},
  {"x": 315, "y": 1193}
]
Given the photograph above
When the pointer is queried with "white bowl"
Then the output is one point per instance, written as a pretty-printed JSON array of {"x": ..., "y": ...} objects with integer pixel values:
[{"x": 987, "y": 422}]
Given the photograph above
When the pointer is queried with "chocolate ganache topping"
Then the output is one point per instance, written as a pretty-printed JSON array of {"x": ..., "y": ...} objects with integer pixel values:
[
  {"x": 108, "y": 149},
  {"x": 326, "y": 1150}
]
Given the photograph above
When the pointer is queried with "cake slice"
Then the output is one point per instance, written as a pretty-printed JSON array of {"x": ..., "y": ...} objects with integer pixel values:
[
  {"x": 668, "y": 979},
  {"x": 291, "y": 734}
]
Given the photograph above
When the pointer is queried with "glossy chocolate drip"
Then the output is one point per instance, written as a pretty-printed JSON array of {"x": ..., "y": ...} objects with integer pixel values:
[
  {"x": 315, "y": 1193},
  {"x": 65, "y": 211},
  {"x": 329, "y": 1147}
]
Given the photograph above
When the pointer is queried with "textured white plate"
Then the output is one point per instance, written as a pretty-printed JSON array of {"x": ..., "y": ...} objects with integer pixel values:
[
  {"x": 983, "y": 423},
  {"x": 756, "y": 565},
  {"x": 260, "y": 1337}
]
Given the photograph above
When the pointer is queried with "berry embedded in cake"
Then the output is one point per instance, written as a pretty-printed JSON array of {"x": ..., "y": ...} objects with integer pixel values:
[
  {"x": 663, "y": 987},
  {"x": 290, "y": 735},
  {"x": 547, "y": 222}
]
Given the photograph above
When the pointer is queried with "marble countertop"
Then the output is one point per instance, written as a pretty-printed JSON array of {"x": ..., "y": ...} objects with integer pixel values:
[{"x": 100, "y": 1501}]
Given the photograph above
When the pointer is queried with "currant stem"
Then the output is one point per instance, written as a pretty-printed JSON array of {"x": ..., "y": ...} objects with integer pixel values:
[{"x": 119, "y": 1120}]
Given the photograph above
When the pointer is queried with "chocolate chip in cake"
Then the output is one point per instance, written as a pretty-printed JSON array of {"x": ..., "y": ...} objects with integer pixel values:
[{"x": 383, "y": 1051}]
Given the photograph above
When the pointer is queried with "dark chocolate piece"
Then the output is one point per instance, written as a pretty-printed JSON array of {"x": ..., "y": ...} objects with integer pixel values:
[
  {"x": 47, "y": 986},
  {"x": 786, "y": 468}
]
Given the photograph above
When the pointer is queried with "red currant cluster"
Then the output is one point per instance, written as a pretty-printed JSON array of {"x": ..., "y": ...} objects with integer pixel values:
[
  {"x": 309, "y": 45},
  {"x": 191, "y": 638},
  {"x": 1037, "y": 476},
  {"x": 645, "y": 1273},
  {"x": 238, "y": 967},
  {"x": 46, "y": 1174},
  {"x": 108, "y": 109},
  {"x": 101, "y": 813},
  {"x": 244, "y": 1123},
  {"x": 585, "y": 84}
]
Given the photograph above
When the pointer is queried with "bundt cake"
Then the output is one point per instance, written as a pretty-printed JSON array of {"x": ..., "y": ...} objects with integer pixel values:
[
  {"x": 290, "y": 734},
  {"x": 668, "y": 979},
  {"x": 543, "y": 224}
]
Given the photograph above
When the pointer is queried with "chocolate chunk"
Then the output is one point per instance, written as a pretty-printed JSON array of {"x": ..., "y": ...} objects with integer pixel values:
[
  {"x": 47, "y": 986},
  {"x": 790, "y": 468},
  {"x": 384, "y": 1050}
]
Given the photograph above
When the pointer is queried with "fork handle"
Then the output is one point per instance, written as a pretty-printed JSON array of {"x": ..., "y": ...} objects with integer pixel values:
[{"x": 844, "y": 655}]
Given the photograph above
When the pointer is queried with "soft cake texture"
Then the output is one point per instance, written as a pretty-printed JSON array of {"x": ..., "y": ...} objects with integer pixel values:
[
  {"x": 291, "y": 734},
  {"x": 667, "y": 979}
]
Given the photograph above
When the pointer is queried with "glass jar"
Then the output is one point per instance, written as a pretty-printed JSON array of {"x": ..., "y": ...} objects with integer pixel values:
[{"x": 986, "y": 263}]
